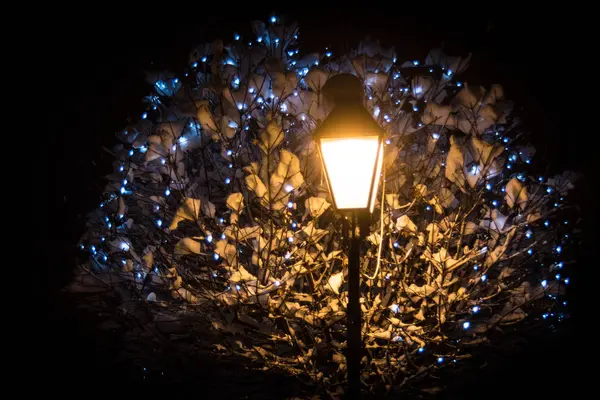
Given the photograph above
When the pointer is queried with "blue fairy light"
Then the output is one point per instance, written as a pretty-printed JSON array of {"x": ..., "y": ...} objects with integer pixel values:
[
  {"x": 564, "y": 303},
  {"x": 230, "y": 165},
  {"x": 195, "y": 64},
  {"x": 273, "y": 19},
  {"x": 476, "y": 268},
  {"x": 567, "y": 281},
  {"x": 440, "y": 360},
  {"x": 204, "y": 59},
  {"x": 216, "y": 256},
  {"x": 488, "y": 186},
  {"x": 109, "y": 225},
  {"x": 416, "y": 62},
  {"x": 483, "y": 278},
  {"x": 229, "y": 152},
  {"x": 559, "y": 249},
  {"x": 238, "y": 287},
  {"x": 328, "y": 54},
  {"x": 287, "y": 255},
  {"x": 544, "y": 283},
  {"x": 139, "y": 276},
  {"x": 176, "y": 80},
  {"x": 466, "y": 325},
  {"x": 130, "y": 152},
  {"x": 421, "y": 349},
  {"x": 290, "y": 204},
  {"x": 527, "y": 161},
  {"x": 495, "y": 203},
  {"x": 547, "y": 223},
  {"x": 505, "y": 140},
  {"x": 121, "y": 168},
  {"x": 459, "y": 84},
  {"x": 449, "y": 72},
  {"x": 105, "y": 258},
  {"x": 530, "y": 251},
  {"x": 548, "y": 190},
  {"x": 396, "y": 245},
  {"x": 560, "y": 264},
  {"x": 122, "y": 190},
  {"x": 223, "y": 236},
  {"x": 528, "y": 234},
  {"x": 294, "y": 225},
  {"x": 236, "y": 81},
  {"x": 167, "y": 192},
  {"x": 544, "y": 316},
  {"x": 395, "y": 308},
  {"x": 259, "y": 39},
  {"x": 145, "y": 115},
  {"x": 557, "y": 276},
  {"x": 290, "y": 239},
  {"x": 236, "y": 37},
  {"x": 541, "y": 178},
  {"x": 475, "y": 309},
  {"x": 227, "y": 181},
  {"x": 415, "y": 108},
  {"x": 159, "y": 222},
  {"x": 221, "y": 220},
  {"x": 124, "y": 182}
]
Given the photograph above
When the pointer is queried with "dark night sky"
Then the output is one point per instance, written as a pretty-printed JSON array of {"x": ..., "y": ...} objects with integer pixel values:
[{"x": 99, "y": 68}]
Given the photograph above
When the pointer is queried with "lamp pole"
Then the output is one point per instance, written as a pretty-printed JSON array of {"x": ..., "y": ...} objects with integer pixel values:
[{"x": 353, "y": 311}]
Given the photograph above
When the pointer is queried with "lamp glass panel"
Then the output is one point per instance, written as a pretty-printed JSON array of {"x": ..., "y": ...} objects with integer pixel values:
[
  {"x": 377, "y": 176},
  {"x": 350, "y": 163}
]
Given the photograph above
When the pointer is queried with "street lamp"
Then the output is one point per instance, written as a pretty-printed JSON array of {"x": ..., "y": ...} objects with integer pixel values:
[{"x": 350, "y": 144}]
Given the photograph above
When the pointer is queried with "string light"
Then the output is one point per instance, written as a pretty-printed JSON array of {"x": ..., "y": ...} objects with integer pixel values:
[
  {"x": 466, "y": 325},
  {"x": 159, "y": 222},
  {"x": 475, "y": 309},
  {"x": 167, "y": 192},
  {"x": 421, "y": 349},
  {"x": 395, "y": 308},
  {"x": 209, "y": 238},
  {"x": 544, "y": 283},
  {"x": 440, "y": 360}
]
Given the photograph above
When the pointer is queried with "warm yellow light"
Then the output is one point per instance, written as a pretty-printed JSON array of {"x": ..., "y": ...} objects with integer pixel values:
[
  {"x": 350, "y": 163},
  {"x": 377, "y": 175}
]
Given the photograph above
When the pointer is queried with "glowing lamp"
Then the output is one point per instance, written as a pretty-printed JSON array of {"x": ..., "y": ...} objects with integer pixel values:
[{"x": 350, "y": 144}]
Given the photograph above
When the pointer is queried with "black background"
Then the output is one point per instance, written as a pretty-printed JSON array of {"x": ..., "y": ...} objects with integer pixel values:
[{"x": 96, "y": 63}]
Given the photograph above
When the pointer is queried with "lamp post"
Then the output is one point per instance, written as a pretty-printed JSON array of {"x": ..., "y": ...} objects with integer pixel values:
[{"x": 350, "y": 144}]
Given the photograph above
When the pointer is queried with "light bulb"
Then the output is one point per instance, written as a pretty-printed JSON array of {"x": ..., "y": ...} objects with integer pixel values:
[
  {"x": 466, "y": 325},
  {"x": 273, "y": 19},
  {"x": 130, "y": 152},
  {"x": 435, "y": 135},
  {"x": 544, "y": 283},
  {"x": 236, "y": 37},
  {"x": 223, "y": 236},
  {"x": 475, "y": 309},
  {"x": 216, "y": 256},
  {"x": 559, "y": 249},
  {"x": 483, "y": 278},
  {"x": 287, "y": 255},
  {"x": 195, "y": 65},
  {"x": 277, "y": 283},
  {"x": 288, "y": 188},
  {"x": 421, "y": 349},
  {"x": 167, "y": 192},
  {"x": 159, "y": 222},
  {"x": 416, "y": 62},
  {"x": 530, "y": 251},
  {"x": 227, "y": 181},
  {"x": 395, "y": 308},
  {"x": 204, "y": 59},
  {"x": 440, "y": 360},
  {"x": 121, "y": 168},
  {"x": 144, "y": 115},
  {"x": 209, "y": 238}
]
